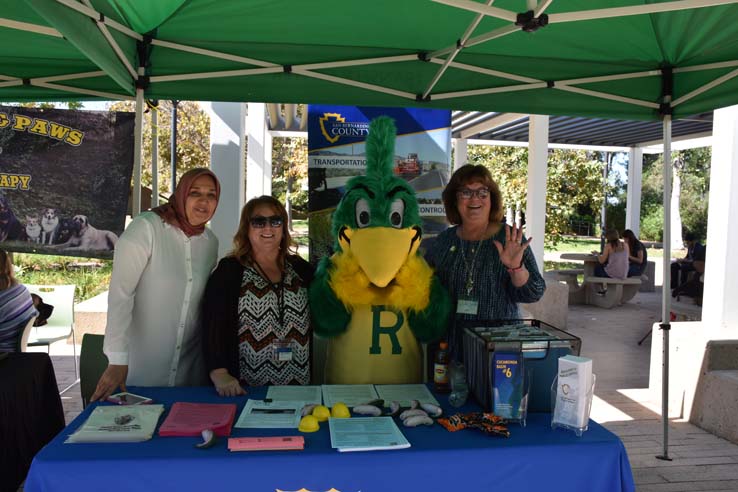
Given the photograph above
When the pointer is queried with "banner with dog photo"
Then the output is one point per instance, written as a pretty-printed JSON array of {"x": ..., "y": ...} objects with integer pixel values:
[{"x": 64, "y": 180}]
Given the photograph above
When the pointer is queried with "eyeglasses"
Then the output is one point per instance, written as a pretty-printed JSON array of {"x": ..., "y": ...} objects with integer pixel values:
[
  {"x": 468, "y": 193},
  {"x": 259, "y": 221}
]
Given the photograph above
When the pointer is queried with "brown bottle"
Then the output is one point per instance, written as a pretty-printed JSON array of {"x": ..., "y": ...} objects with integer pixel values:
[{"x": 440, "y": 370}]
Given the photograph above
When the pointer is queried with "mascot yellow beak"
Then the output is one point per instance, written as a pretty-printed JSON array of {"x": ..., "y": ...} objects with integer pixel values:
[{"x": 380, "y": 251}]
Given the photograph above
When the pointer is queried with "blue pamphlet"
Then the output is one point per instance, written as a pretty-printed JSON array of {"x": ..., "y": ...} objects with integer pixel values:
[{"x": 508, "y": 384}]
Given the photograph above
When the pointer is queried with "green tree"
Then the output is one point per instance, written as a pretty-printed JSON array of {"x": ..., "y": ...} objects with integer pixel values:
[
  {"x": 289, "y": 170},
  {"x": 694, "y": 172},
  {"x": 574, "y": 186},
  {"x": 193, "y": 139}
]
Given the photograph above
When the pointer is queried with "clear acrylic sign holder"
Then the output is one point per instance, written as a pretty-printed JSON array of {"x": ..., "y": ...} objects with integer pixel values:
[{"x": 588, "y": 408}]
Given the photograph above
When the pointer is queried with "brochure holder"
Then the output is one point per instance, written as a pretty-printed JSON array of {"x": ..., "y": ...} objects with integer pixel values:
[
  {"x": 541, "y": 345},
  {"x": 588, "y": 408}
]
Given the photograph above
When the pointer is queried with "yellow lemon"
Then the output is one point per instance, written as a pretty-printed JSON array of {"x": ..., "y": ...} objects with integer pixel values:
[
  {"x": 308, "y": 424},
  {"x": 321, "y": 413},
  {"x": 340, "y": 411}
]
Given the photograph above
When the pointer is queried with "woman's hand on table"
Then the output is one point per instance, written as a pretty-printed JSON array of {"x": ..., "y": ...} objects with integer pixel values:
[
  {"x": 113, "y": 377},
  {"x": 511, "y": 254},
  {"x": 225, "y": 384}
]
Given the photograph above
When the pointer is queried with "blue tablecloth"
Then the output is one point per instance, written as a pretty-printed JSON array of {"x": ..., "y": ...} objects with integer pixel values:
[{"x": 533, "y": 458}]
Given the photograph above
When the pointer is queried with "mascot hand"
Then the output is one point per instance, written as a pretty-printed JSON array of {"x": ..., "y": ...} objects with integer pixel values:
[
  {"x": 431, "y": 323},
  {"x": 330, "y": 317}
]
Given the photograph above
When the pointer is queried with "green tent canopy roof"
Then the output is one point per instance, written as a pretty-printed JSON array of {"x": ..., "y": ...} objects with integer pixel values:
[{"x": 594, "y": 58}]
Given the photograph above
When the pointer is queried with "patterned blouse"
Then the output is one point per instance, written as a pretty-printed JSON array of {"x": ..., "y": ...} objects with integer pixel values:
[
  {"x": 16, "y": 308},
  {"x": 274, "y": 329}
]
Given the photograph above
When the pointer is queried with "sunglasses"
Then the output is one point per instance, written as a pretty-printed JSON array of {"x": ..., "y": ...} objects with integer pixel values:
[
  {"x": 259, "y": 221},
  {"x": 467, "y": 193}
]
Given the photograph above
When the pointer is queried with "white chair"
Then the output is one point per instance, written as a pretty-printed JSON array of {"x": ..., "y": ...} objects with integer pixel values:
[
  {"x": 23, "y": 340},
  {"x": 61, "y": 323}
]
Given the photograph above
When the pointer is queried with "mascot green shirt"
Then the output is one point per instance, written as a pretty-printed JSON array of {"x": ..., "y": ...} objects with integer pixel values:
[{"x": 376, "y": 298}]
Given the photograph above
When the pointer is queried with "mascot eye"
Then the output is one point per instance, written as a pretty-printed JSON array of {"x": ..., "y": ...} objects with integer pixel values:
[
  {"x": 397, "y": 210},
  {"x": 362, "y": 213}
]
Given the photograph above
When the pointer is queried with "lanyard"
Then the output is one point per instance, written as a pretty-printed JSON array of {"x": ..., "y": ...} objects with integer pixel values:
[{"x": 469, "y": 267}]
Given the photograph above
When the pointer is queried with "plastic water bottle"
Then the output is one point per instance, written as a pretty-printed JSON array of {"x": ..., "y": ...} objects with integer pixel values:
[{"x": 459, "y": 388}]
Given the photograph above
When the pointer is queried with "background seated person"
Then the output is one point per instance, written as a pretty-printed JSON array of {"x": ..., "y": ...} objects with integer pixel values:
[
  {"x": 638, "y": 257},
  {"x": 16, "y": 306},
  {"x": 614, "y": 258},
  {"x": 681, "y": 268},
  {"x": 695, "y": 284}
]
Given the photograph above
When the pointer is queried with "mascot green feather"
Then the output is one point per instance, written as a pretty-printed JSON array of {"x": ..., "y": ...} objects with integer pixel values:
[{"x": 376, "y": 298}]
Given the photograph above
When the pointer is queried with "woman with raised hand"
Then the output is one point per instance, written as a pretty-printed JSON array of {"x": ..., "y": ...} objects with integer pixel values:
[
  {"x": 485, "y": 264},
  {"x": 161, "y": 265}
]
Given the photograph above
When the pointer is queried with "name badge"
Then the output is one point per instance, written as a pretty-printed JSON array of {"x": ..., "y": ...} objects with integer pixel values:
[
  {"x": 467, "y": 306},
  {"x": 282, "y": 351}
]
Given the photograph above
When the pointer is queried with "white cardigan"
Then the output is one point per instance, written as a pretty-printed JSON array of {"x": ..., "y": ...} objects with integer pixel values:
[{"x": 159, "y": 275}]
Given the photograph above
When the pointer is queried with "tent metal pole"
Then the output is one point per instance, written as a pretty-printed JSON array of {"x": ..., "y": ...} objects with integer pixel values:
[
  {"x": 665, "y": 325},
  {"x": 487, "y": 71},
  {"x": 137, "y": 151},
  {"x": 634, "y": 10},
  {"x": 173, "y": 155},
  {"x": 492, "y": 90},
  {"x": 706, "y": 87},
  {"x": 154, "y": 155},
  {"x": 353, "y": 83}
]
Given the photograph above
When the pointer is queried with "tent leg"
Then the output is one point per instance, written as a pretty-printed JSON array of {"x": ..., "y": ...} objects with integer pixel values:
[{"x": 665, "y": 329}]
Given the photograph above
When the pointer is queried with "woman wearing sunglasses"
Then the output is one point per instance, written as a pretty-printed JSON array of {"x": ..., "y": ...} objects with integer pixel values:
[
  {"x": 255, "y": 309},
  {"x": 161, "y": 265},
  {"x": 486, "y": 265}
]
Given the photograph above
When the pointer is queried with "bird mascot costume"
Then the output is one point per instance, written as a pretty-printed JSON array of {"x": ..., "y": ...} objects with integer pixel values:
[{"x": 376, "y": 298}]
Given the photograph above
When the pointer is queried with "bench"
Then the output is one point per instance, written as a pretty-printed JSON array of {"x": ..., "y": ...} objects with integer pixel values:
[
  {"x": 648, "y": 278},
  {"x": 618, "y": 290},
  {"x": 569, "y": 276},
  {"x": 716, "y": 396}
]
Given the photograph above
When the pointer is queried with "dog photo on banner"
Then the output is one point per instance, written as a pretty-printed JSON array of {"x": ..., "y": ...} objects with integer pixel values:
[{"x": 64, "y": 180}]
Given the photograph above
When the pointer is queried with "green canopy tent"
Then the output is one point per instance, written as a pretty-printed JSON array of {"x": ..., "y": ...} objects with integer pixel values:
[{"x": 627, "y": 59}]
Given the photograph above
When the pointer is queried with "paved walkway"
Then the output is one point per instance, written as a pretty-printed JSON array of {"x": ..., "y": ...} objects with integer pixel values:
[{"x": 622, "y": 403}]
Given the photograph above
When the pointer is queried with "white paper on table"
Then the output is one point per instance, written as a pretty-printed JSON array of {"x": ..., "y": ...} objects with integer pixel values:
[
  {"x": 260, "y": 414},
  {"x": 366, "y": 434},
  {"x": 119, "y": 423},
  {"x": 405, "y": 393},
  {"x": 308, "y": 394},
  {"x": 349, "y": 394}
]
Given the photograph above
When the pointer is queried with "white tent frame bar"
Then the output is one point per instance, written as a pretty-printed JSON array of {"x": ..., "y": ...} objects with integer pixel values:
[
  {"x": 494, "y": 34},
  {"x": 706, "y": 87},
  {"x": 464, "y": 38},
  {"x": 706, "y": 66},
  {"x": 353, "y": 83},
  {"x": 652, "y": 8},
  {"x": 211, "y": 53},
  {"x": 114, "y": 44},
  {"x": 25, "y": 26},
  {"x": 604, "y": 95},
  {"x": 541, "y": 7},
  {"x": 356, "y": 63},
  {"x": 489, "y": 71},
  {"x": 79, "y": 90},
  {"x": 455, "y": 51},
  {"x": 11, "y": 83},
  {"x": 95, "y": 15},
  {"x": 608, "y": 78},
  {"x": 216, "y": 75},
  {"x": 492, "y": 90}
]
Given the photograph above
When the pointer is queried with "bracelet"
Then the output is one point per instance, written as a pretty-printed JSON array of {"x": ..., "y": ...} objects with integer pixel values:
[{"x": 513, "y": 270}]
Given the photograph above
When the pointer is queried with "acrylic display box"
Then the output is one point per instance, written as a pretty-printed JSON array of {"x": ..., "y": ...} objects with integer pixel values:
[{"x": 541, "y": 346}]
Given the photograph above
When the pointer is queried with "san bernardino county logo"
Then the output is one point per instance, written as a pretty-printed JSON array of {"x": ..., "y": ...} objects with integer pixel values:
[
  {"x": 308, "y": 490},
  {"x": 334, "y": 126}
]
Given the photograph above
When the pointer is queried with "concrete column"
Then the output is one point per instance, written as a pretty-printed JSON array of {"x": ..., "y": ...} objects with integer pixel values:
[
  {"x": 535, "y": 213},
  {"x": 720, "y": 311},
  {"x": 267, "y": 186},
  {"x": 227, "y": 139},
  {"x": 460, "y": 152},
  {"x": 256, "y": 133},
  {"x": 635, "y": 183}
]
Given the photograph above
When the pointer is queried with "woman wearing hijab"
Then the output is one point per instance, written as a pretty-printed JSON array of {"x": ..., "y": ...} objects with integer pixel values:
[{"x": 160, "y": 269}]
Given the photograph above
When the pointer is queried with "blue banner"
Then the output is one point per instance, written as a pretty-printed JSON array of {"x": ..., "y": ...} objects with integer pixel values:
[{"x": 336, "y": 153}]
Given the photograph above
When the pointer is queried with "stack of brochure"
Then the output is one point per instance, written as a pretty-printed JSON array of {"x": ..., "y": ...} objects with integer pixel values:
[
  {"x": 132, "y": 423},
  {"x": 366, "y": 434},
  {"x": 190, "y": 419}
]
